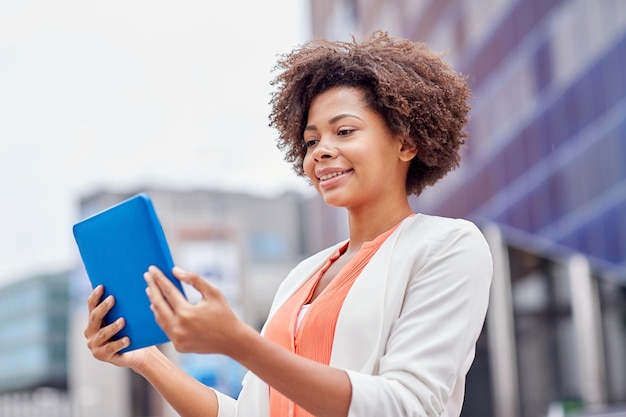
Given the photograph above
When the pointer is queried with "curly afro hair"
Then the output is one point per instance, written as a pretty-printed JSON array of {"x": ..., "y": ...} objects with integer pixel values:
[{"x": 419, "y": 96}]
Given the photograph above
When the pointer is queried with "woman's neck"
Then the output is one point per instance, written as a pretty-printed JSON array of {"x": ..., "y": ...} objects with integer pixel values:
[{"x": 366, "y": 225}]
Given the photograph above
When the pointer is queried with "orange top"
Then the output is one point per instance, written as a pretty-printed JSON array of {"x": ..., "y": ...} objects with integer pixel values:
[{"x": 313, "y": 337}]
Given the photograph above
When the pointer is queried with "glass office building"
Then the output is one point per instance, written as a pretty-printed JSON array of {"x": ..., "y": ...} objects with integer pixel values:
[
  {"x": 33, "y": 347},
  {"x": 33, "y": 333},
  {"x": 544, "y": 175}
]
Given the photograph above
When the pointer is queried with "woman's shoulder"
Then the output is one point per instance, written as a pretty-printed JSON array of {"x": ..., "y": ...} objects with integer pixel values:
[
  {"x": 423, "y": 235},
  {"x": 439, "y": 226},
  {"x": 432, "y": 241}
]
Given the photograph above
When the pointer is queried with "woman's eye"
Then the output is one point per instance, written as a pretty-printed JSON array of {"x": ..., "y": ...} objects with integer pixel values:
[
  {"x": 343, "y": 132},
  {"x": 309, "y": 142}
]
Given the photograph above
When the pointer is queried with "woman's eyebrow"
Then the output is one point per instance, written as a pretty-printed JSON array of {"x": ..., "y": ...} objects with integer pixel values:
[
  {"x": 333, "y": 120},
  {"x": 341, "y": 116}
]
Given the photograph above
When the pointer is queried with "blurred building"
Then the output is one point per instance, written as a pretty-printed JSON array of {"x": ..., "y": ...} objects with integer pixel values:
[
  {"x": 544, "y": 175},
  {"x": 244, "y": 244},
  {"x": 33, "y": 346}
]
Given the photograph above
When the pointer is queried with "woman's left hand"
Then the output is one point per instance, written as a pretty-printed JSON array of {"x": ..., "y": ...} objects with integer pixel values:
[{"x": 209, "y": 326}]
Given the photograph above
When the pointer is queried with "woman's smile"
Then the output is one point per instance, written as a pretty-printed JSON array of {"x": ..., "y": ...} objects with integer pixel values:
[{"x": 330, "y": 177}]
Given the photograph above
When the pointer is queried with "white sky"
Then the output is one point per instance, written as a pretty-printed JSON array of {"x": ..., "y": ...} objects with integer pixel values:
[{"x": 121, "y": 94}]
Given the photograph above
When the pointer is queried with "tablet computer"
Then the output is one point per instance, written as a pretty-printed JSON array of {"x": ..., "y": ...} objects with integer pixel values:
[{"x": 117, "y": 246}]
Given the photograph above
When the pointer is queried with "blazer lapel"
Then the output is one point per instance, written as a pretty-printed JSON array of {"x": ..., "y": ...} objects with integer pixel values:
[
  {"x": 360, "y": 326},
  {"x": 298, "y": 276}
]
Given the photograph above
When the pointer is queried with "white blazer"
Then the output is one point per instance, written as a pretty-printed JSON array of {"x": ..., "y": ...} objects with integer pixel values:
[{"x": 407, "y": 330}]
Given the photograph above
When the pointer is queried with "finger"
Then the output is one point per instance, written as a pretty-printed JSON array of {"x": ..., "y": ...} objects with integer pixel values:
[
  {"x": 196, "y": 281},
  {"x": 114, "y": 347},
  {"x": 172, "y": 294},
  {"x": 111, "y": 349},
  {"x": 158, "y": 303},
  {"x": 97, "y": 313},
  {"x": 105, "y": 334},
  {"x": 94, "y": 297},
  {"x": 120, "y": 344}
]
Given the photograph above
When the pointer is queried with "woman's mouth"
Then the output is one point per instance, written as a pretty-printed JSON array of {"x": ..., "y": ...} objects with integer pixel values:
[
  {"x": 331, "y": 179},
  {"x": 331, "y": 175}
]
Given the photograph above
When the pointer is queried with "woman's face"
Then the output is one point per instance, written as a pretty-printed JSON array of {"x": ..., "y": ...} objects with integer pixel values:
[{"x": 352, "y": 158}]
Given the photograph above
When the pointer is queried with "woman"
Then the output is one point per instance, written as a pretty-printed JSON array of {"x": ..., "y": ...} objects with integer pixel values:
[{"x": 383, "y": 324}]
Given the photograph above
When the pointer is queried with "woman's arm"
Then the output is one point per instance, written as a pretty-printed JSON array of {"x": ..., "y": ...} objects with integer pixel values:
[
  {"x": 320, "y": 389},
  {"x": 430, "y": 344},
  {"x": 188, "y": 396},
  {"x": 210, "y": 326}
]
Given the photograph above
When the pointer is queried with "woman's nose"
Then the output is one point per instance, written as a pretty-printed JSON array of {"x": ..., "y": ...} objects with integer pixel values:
[{"x": 324, "y": 150}]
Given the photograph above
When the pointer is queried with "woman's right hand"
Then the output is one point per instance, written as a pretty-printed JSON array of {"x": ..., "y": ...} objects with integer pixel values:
[
  {"x": 187, "y": 395},
  {"x": 99, "y": 336}
]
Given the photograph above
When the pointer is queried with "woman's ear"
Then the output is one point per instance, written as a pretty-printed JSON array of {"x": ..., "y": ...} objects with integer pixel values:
[{"x": 407, "y": 151}]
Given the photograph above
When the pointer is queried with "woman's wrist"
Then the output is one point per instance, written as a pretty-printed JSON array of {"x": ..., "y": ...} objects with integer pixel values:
[
  {"x": 143, "y": 362},
  {"x": 243, "y": 342}
]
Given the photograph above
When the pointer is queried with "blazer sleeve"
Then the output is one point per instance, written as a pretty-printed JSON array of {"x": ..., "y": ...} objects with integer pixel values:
[
  {"x": 226, "y": 406},
  {"x": 253, "y": 400},
  {"x": 430, "y": 346}
]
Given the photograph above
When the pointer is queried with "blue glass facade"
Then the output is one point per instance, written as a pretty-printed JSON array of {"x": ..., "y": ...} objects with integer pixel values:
[{"x": 554, "y": 179}]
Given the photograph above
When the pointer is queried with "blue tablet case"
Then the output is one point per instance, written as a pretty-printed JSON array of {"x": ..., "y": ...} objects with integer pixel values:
[{"x": 117, "y": 246}]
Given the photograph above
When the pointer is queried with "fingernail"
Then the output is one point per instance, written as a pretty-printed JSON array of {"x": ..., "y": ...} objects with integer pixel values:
[{"x": 179, "y": 271}]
